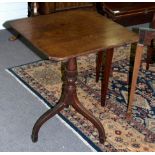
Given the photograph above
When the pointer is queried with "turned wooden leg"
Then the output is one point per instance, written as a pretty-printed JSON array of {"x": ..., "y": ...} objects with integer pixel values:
[
  {"x": 106, "y": 75},
  {"x": 72, "y": 98},
  {"x": 136, "y": 67},
  {"x": 68, "y": 97},
  {"x": 99, "y": 64}
]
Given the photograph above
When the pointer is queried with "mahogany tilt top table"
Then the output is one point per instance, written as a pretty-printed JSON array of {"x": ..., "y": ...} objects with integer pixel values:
[{"x": 66, "y": 35}]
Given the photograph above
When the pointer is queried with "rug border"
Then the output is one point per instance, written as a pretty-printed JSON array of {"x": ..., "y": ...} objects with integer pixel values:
[{"x": 78, "y": 131}]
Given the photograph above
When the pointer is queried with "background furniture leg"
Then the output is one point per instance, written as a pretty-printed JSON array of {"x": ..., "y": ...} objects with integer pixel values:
[
  {"x": 149, "y": 56},
  {"x": 99, "y": 64},
  {"x": 137, "y": 62},
  {"x": 106, "y": 75}
]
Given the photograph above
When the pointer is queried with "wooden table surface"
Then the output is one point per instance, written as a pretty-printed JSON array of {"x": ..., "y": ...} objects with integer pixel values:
[{"x": 68, "y": 34}]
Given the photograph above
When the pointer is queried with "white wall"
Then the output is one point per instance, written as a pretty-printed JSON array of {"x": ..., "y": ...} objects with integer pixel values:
[{"x": 12, "y": 10}]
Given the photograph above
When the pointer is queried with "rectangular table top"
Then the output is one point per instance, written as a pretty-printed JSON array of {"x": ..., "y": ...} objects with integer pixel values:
[{"x": 73, "y": 33}]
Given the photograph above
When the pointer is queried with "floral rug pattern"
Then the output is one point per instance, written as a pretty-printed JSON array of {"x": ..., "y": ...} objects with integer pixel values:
[{"x": 137, "y": 134}]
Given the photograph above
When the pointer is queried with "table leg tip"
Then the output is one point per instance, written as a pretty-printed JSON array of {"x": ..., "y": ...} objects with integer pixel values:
[
  {"x": 128, "y": 115},
  {"x": 67, "y": 106},
  {"x": 102, "y": 140},
  {"x": 34, "y": 138},
  {"x": 102, "y": 104},
  {"x": 97, "y": 80}
]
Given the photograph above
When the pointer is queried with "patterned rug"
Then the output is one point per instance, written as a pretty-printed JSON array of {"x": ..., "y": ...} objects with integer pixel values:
[{"x": 136, "y": 134}]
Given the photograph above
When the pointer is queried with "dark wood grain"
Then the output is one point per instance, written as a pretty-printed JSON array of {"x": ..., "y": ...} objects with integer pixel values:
[
  {"x": 44, "y": 8},
  {"x": 127, "y": 13},
  {"x": 122, "y": 8},
  {"x": 72, "y": 5},
  {"x": 73, "y": 33}
]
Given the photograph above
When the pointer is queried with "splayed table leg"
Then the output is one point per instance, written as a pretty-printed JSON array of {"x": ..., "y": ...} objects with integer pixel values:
[{"x": 69, "y": 97}]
